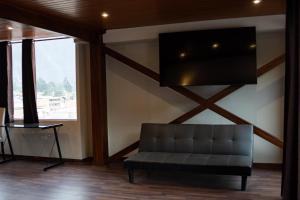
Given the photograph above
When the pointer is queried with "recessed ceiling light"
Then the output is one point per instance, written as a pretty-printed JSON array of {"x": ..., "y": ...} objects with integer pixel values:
[
  {"x": 10, "y": 28},
  {"x": 257, "y": 1},
  {"x": 215, "y": 46},
  {"x": 252, "y": 46},
  {"x": 182, "y": 55},
  {"x": 105, "y": 15}
]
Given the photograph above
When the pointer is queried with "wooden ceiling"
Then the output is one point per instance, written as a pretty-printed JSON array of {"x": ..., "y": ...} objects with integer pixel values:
[
  {"x": 77, "y": 11},
  {"x": 21, "y": 31},
  {"x": 132, "y": 13}
]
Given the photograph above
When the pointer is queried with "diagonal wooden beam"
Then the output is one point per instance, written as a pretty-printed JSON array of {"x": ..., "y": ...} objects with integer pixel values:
[
  {"x": 226, "y": 114},
  {"x": 201, "y": 108},
  {"x": 228, "y": 90},
  {"x": 124, "y": 152},
  {"x": 131, "y": 63},
  {"x": 189, "y": 94}
]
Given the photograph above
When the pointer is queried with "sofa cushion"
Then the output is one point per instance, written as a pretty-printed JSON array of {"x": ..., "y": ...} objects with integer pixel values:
[
  {"x": 191, "y": 159},
  {"x": 197, "y": 138}
]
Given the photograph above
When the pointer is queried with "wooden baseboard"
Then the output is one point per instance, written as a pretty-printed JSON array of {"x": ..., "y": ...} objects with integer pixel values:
[
  {"x": 40, "y": 158},
  {"x": 272, "y": 166}
]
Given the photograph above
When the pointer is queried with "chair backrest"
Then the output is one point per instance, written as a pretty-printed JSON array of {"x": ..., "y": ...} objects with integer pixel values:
[
  {"x": 2, "y": 120},
  {"x": 197, "y": 138},
  {"x": 2, "y": 116}
]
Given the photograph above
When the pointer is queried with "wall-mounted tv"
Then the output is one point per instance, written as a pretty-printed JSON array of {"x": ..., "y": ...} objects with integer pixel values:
[{"x": 208, "y": 57}]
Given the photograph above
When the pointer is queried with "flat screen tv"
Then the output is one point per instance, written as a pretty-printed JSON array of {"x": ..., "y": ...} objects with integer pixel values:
[{"x": 208, "y": 57}]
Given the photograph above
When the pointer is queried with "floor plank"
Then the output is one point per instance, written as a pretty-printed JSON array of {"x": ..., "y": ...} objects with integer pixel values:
[{"x": 25, "y": 180}]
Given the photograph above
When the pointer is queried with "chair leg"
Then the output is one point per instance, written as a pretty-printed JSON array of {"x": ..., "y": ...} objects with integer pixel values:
[
  {"x": 244, "y": 183},
  {"x": 2, "y": 151},
  {"x": 131, "y": 175}
]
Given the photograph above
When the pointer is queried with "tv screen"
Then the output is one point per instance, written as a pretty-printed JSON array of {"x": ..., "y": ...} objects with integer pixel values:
[{"x": 208, "y": 57}]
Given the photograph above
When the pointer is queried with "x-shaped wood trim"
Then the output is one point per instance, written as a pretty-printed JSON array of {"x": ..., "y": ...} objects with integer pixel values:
[
  {"x": 204, "y": 103},
  {"x": 227, "y": 91}
]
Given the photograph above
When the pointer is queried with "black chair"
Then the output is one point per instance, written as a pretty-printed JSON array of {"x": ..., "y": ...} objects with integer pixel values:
[{"x": 2, "y": 119}]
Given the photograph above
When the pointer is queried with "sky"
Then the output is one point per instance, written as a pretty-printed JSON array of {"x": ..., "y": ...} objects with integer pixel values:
[{"x": 55, "y": 60}]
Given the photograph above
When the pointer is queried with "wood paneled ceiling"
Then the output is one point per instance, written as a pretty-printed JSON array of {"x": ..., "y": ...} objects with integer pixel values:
[
  {"x": 21, "y": 31},
  {"x": 133, "y": 13}
]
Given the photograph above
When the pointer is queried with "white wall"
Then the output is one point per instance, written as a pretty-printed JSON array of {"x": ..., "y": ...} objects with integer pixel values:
[
  {"x": 262, "y": 24},
  {"x": 75, "y": 135},
  {"x": 134, "y": 98}
]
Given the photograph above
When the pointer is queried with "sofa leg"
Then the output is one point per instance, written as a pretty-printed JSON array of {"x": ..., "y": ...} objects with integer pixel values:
[
  {"x": 131, "y": 175},
  {"x": 148, "y": 173},
  {"x": 244, "y": 183},
  {"x": 2, "y": 151}
]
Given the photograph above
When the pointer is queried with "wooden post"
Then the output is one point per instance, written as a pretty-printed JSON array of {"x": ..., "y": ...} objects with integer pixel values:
[{"x": 98, "y": 101}]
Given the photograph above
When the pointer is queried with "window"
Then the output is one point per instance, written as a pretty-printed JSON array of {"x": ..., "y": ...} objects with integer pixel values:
[
  {"x": 17, "y": 80},
  {"x": 55, "y": 79}
]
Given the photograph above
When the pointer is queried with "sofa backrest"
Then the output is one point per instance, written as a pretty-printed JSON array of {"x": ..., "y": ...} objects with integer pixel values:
[{"x": 197, "y": 138}]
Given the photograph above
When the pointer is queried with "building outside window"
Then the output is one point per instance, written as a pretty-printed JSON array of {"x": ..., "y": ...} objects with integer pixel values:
[{"x": 55, "y": 79}]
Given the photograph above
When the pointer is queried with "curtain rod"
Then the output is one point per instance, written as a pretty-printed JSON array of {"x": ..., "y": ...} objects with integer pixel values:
[{"x": 45, "y": 39}]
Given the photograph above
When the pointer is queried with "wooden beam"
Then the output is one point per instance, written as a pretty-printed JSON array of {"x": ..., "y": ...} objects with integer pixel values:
[
  {"x": 98, "y": 102},
  {"x": 203, "y": 102},
  {"x": 271, "y": 65},
  {"x": 201, "y": 108},
  {"x": 220, "y": 95},
  {"x": 127, "y": 150},
  {"x": 52, "y": 23},
  {"x": 132, "y": 64},
  {"x": 258, "y": 131},
  {"x": 228, "y": 115}
]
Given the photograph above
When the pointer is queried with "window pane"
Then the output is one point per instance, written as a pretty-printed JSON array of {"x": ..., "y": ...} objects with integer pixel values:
[
  {"x": 56, "y": 79},
  {"x": 17, "y": 80}
]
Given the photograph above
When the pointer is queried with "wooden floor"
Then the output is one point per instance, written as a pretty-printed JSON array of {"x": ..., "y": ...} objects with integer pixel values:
[{"x": 25, "y": 180}]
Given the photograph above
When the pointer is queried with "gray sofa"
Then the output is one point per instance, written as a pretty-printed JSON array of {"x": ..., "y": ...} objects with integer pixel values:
[{"x": 213, "y": 149}]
